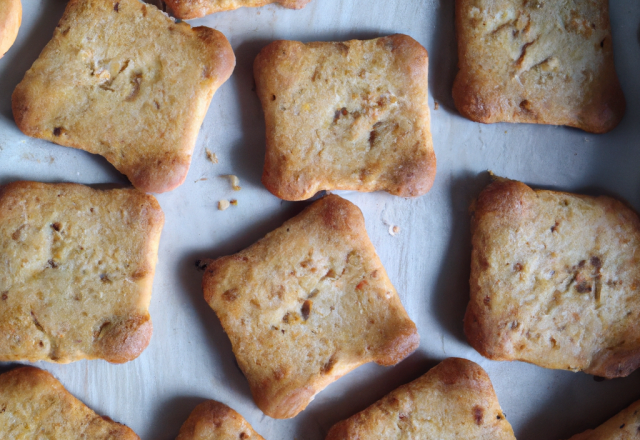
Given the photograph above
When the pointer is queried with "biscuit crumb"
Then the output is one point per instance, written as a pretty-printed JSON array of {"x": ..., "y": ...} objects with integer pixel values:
[
  {"x": 235, "y": 182},
  {"x": 234, "y": 202},
  {"x": 436, "y": 105},
  {"x": 211, "y": 156},
  {"x": 393, "y": 230},
  {"x": 223, "y": 204}
]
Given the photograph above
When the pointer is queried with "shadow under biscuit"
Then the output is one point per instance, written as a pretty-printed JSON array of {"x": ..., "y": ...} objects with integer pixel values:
[
  {"x": 172, "y": 413},
  {"x": 443, "y": 56}
]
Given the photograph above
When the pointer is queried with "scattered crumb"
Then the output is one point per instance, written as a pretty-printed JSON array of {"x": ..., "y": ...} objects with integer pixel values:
[
  {"x": 211, "y": 156},
  {"x": 199, "y": 180},
  {"x": 234, "y": 202},
  {"x": 393, "y": 230},
  {"x": 505, "y": 132},
  {"x": 223, "y": 204},
  {"x": 235, "y": 182},
  {"x": 436, "y": 105}
]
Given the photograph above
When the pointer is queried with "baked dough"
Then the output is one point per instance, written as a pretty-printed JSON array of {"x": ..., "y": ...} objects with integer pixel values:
[
  {"x": 76, "y": 268},
  {"x": 10, "y": 20},
  {"x": 307, "y": 304},
  {"x": 537, "y": 61},
  {"x": 555, "y": 280},
  {"x": 186, "y": 9},
  {"x": 623, "y": 426},
  {"x": 34, "y": 405},
  {"x": 213, "y": 420},
  {"x": 454, "y": 400},
  {"x": 348, "y": 115},
  {"x": 123, "y": 80}
]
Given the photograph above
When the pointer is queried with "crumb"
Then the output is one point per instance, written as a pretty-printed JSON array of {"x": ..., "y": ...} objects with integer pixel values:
[
  {"x": 436, "y": 105},
  {"x": 393, "y": 230},
  {"x": 223, "y": 204},
  {"x": 234, "y": 202},
  {"x": 211, "y": 156},
  {"x": 235, "y": 182},
  {"x": 200, "y": 180}
]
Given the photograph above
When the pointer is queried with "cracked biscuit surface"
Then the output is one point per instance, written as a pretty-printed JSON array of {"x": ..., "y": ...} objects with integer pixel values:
[
  {"x": 34, "y": 405},
  {"x": 76, "y": 269},
  {"x": 623, "y": 426},
  {"x": 187, "y": 9},
  {"x": 213, "y": 420},
  {"x": 10, "y": 20},
  {"x": 306, "y": 304},
  {"x": 453, "y": 400},
  {"x": 555, "y": 280},
  {"x": 348, "y": 115},
  {"x": 537, "y": 61},
  {"x": 121, "y": 79}
]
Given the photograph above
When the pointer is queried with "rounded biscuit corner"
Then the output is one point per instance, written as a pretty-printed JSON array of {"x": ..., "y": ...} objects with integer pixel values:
[
  {"x": 283, "y": 405},
  {"x": 405, "y": 342},
  {"x": 614, "y": 364},
  {"x": 163, "y": 176},
  {"x": 223, "y": 57},
  {"x": 508, "y": 198},
  {"x": 468, "y": 101},
  {"x": 417, "y": 178},
  {"x": 125, "y": 341}
]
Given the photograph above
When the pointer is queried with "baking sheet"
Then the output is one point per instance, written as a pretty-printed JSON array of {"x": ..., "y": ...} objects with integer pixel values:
[{"x": 190, "y": 359}]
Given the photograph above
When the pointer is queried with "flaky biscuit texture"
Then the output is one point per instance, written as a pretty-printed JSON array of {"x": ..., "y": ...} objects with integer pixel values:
[
  {"x": 454, "y": 400},
  {"x": 537, "y": 61},
  {"x": 123, "y": 80},
  {"x": 213, "y": 420},
  {"x": 348, "y": 115},
  {"x": 34, "y": 405},
  {"x": 76, "y": 269},
  {"x": 306, "y": 304},
  {"x": 186, "y": 9},
  {"x": 555, "y": 280}
]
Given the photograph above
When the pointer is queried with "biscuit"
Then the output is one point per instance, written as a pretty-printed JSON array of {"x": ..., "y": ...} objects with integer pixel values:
[
  {"x": 454, "y": 400},
  {"x": 213, "y": 420},
  {"x": 623, "y": 426},
  {"x": 76, "y": 269},
  {"x": 10, "y": 20},
  {"x": 543, "y": 62},
  {"x": 555, "y": 280},
  {"x": 35, "y": 405},
  {"x": 349, "y": 115},
  {"x": 121, "y": 79},
  {"x": 306, "y": 304},
  {"x": 186, "y": 9}
]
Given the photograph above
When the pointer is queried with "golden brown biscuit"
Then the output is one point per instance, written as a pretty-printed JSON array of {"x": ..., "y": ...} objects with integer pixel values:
[
  {"x": 537, "y": 61},
  {"x": 140, "y": 105},
  {"x": 213, "y": 420},
  {"x": 623, "y": 426},
  {"x": 307, "y": 304},
  {"x": 33, "y": 404},
  {"x": 76, "y": 268},
  {"x": 349, "y": 115},
  {"x": 186, "y": 9},
  {"x": 555, "y": 280},
  {"x": 10, "y": 20},
  {"x": 454, "y": 400}
]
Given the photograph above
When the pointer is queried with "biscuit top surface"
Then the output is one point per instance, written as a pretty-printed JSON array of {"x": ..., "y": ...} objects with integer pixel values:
[
  {"x": 555, "y": 280},
  {"x": 454, "y": 400},
  {"x": 186, "y": 9},
  {"x": 121, "y": 79},
  {"x": 539, "y": 61},
  {"x": 10, "y": 20},
  {"x": 623, "y": 426},
  {"x": 306, "y": 304},
  {"x": 35, "y": 405},
  {"x": 76, "y": 268},
  {"x": 346, "y": 115},
  {"x": 213, "y": 420}
]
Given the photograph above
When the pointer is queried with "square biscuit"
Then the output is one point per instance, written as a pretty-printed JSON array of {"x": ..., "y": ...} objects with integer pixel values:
[
  {"x": 623, "y": 426},
  {"x": 306, "y": 304},
  {"x": 453, "y": 400},
  {"x": 36, "y": 406},
  {"x": 213, "y": 420},
  {"x": 10, "y": 20},
  {"x": 350, "y": 115},
  {"x": 187, "y": 9},
  {"x": 537, "y": 61},
  {"x": 555, "y": 280},
  {"x": 76, "y": 269},
  {"x": 121, "y": 79}
]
